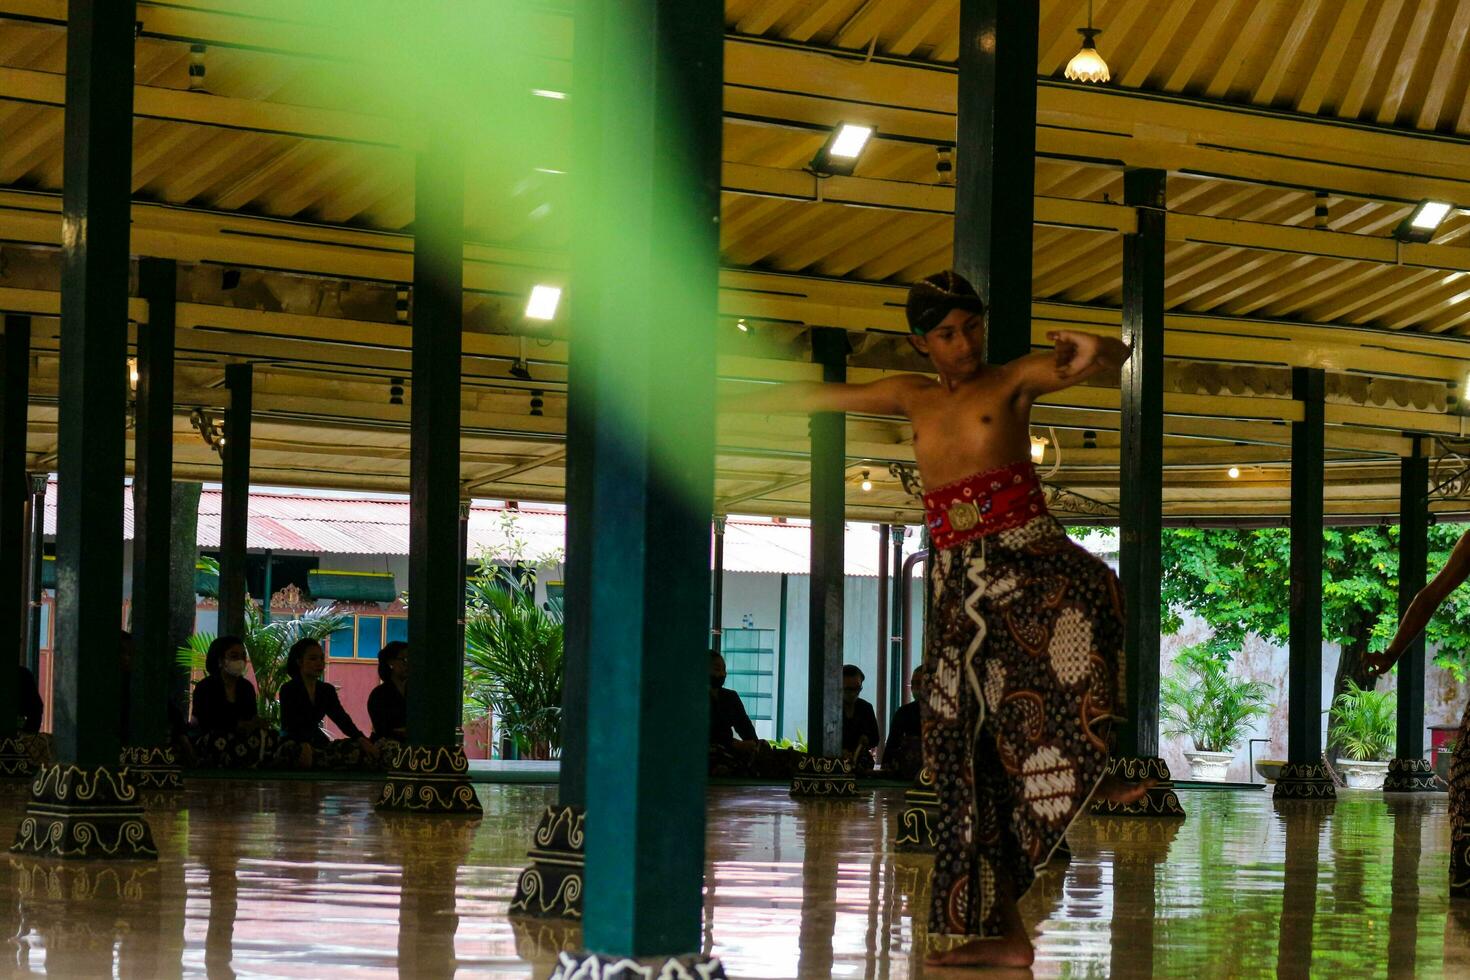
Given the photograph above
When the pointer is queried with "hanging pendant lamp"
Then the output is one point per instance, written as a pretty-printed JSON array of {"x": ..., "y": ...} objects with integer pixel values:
[{"x": 1087, "y": 65}]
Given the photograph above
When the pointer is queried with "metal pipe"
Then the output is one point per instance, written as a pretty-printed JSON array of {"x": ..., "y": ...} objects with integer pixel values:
[
  {"x": 895, "y": 616},
  {"x": 905, "y": 635}
]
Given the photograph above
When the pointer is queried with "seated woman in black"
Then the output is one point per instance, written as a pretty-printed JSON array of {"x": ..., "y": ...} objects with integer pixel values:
[
  {"x": 388, "y": 704},
  {"x": 305, "y": 700},
  {"x": 227, "y": 730}
]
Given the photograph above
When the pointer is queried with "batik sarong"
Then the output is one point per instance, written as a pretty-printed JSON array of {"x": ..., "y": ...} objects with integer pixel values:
[
  {"x": 1460, "y": 811},
  {"x": 1023, "y": 644}
]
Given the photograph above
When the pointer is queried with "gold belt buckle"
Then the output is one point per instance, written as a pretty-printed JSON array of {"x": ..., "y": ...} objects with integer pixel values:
[{"x": 963, "y": 515}]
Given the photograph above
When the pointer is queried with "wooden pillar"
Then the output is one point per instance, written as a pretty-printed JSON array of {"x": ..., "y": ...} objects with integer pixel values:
[
  {"x": 235, "y": 500},
  {"x": 1304, "y": 775},
  {"x": 1409, "y": 771},
  {"x": 829, "y": 514},
  {"x": 153, "y": 460},
  {"x": 83, "y": 807},
  {"x": 431, "y": 773},
  {"x": 995, "y": 165},
  {"x": 647, "y": 261},
  {"x": 15, "y": 368}
]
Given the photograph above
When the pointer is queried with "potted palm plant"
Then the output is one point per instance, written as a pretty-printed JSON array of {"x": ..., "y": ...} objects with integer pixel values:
[
  {"x": 1203, "y": 702},
  {"x": 513, "y": 659},
  {"x": 1365, "y": 722}
]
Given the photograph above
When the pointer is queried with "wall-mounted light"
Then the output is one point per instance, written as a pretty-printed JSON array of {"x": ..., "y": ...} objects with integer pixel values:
[
  {"x": 1423, "y": 221},
  {"x": 839, "y": 155},
  {"x": 1087, "y": 65},
  {"x": 543, "y": 302}
]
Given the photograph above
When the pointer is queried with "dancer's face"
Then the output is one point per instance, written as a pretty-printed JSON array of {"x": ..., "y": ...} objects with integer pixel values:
[{"x": 956, "y": 346}]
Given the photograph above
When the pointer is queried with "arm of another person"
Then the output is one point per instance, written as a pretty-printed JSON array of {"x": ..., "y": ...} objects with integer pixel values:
[
  {"x": 1076, "y": 357},
  {"x": 870, "y": 726},
  {"x": 887, "y": 396},
  {"x": 741, "y": 719},
  {"x": 332, "y": 708},
  {"x": 378, "y": 713},
  {"x": 1422, "y": 609}
]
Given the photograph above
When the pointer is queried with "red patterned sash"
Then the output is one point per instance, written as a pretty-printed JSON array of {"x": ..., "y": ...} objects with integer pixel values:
[{"x": 984, "y": 504}]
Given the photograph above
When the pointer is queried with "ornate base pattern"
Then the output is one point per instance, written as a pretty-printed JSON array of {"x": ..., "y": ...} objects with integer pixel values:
[
  {"x": 84, "y": 814},
  {"x": 429, "y": 779},
  {"x": 914, "y": 830},
  {"x": 551, "y": 888},
  {"x": 15, "y": 758},
  {"x": 1460, "y": 866},
  {"x": 591, "y": 966},
  {"x": 827, "y": 777},
  {"x": 1410, "y": 776},
  {"x": 1160, "y": 801},
  {"x": 152, "y": 768},
  {"x": 1304, "y": 781}
]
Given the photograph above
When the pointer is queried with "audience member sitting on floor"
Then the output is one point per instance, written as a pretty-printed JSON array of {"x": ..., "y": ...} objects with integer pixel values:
[
  {"x": 29, "y": 709},
  {"x": 859, "y": 721},
  {"x": 388, "y": 704},
  {"x": 228, "y": 731},
  {"x": 305, "y": 700},
  {"x": 734, "y": 747},
  {"x": 177, "y": 723},
  {"x": 903, "y": 754}
]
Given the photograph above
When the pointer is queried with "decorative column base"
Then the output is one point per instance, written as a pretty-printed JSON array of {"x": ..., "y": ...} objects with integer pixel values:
[
  {"x": 828, "y": 777},
  {"x": 152, "y": 768},
  {"x": 1460, "y": 865},
  {"x": 1159, "y": 801},
  {"x": 1410, "y": 776},
  {"x": 1304, "y": 781},
  {"x": 914, "y": 827},
  {"x": 429, "y": 779},
  {"x": 84, "y": 814},
  {"x": 551, "y": 888},
  {"x": 15, "y": 758},
  {"x": 592, "y": 966}
]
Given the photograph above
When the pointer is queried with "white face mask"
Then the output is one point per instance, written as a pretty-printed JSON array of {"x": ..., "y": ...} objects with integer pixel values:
[{"x": 235, "y": 668}]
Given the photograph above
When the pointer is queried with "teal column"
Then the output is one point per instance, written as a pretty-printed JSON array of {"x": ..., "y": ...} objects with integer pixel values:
[
  {"x": 646, "y": 95},
  {"x": 828, "y": 567},
  {"x": 1409, "y": 771}
]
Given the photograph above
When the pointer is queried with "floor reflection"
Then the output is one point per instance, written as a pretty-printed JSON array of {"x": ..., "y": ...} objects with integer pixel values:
[{"x": 304, "y": 879}]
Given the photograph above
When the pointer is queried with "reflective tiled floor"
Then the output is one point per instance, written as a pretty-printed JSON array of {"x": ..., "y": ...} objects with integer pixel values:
[{"x": 303, "y": 880}]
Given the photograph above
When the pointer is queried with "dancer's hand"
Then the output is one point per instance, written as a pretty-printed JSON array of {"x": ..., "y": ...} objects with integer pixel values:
[
  {"x": 1379, "y": 664},
  {"x": 1078, "y": 353}
]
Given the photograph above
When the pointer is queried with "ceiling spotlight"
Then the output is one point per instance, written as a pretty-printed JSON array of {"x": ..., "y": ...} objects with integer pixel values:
[
  {"x": 1233, "y": 472},
  {"x": 1422, "y": 222},
  {"x": 536, "y": 402},
  {"x": 520, "y": 370},
  {"x": 1087, "y": 65},
  {"x": 543, "y": 302},
  {"x": 944, "y": 164},
  {"x": 839, "y": 155},
  {"x": 395, "y": 391},
  {"x": 742, "y": 326},
  {"x": 867, "y": 483},
  {"x": 548, "y": 93}
]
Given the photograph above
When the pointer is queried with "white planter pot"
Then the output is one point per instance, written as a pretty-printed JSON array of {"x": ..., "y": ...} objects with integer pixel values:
[
  {"x": 1209, "y": 766},
  {"x": 1363, "y": 775}
]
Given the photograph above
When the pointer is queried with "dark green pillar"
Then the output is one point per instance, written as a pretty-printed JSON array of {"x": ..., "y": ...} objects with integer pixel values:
[
  {"x": 1304, "y": 775},
  {"x": 717, "y": 587},
  {"x": 15, "y": 368},
  {"x": 896, "y": 599},
  {"x": 431, "y": 774},
  {"x": 995, "y": 166},
  {"x": 82, "y": 807},
  {"x": 647, "y": 121},
  {"x": 235, "y": 499},
  {"x": 35, "y": 551},
  {"x": 829, "y": 515},
  {"x": 153, "y": 459},
  {"x": 1409, "y": 771},
  {"x": 183, "y": 558},
  {"x": 1141, "y": 502}
]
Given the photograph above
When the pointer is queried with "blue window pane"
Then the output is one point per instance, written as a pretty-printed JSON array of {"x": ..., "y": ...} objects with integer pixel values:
[
  {"x": 369, "y": 636},
  {"x": 396, "y": 629},
  {"x": 339, "y": 644},
  {"x": 46, "y": 625}
]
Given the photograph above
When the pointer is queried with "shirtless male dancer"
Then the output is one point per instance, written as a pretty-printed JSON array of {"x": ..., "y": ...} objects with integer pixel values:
[
  {"x": 1024, "y": 628},
  {"x": 1416, "y": 617}
]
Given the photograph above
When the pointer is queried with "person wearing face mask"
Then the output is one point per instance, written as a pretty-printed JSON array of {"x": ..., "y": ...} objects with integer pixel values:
[
  {"x": 227, "y": 728},
  {"x": 306, "y": 699},
  {"x": 859, "y": 721}
]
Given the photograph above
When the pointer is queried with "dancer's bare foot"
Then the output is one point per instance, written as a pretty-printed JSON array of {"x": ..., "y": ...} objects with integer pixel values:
[
  {"x": 1120, "y": 792},
  {"x": 1011, "y": 951}
]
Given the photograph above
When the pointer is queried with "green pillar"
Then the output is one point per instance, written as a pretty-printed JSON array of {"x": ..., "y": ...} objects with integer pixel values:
[
  {"x": 647, "y": 119},
  {"x": 828, "y": 567},
  {"x": 1409, "y": 771},
  {"x": 84, "y": 807},
  {"x": 235, "y": 499},
  {"x": 431, "y": 773},
  {"x": 1305, "y": 776},
  {"x": 15, "y": 369},
  {"x": 995, "y": 150}
]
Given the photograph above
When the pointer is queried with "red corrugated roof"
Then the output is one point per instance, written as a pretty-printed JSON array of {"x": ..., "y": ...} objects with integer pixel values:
[{"x": 318, "y": 523}]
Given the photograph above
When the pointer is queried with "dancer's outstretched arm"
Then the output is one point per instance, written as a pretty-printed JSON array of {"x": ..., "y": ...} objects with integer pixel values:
[
  {"x": 1455, "y": 571},
  {"x": 884, "y": 397}
]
